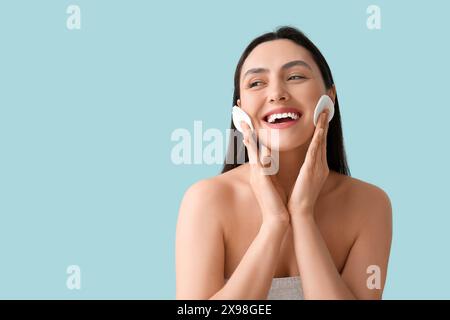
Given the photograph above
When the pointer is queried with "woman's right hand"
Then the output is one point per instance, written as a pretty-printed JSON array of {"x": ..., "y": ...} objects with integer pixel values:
[{"x": 270, "y": 196}]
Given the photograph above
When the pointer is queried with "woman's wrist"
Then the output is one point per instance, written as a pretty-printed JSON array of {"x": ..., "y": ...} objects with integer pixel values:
[
  {"x": 275, "y": 225},
  {"x": 303, "y": 215}
]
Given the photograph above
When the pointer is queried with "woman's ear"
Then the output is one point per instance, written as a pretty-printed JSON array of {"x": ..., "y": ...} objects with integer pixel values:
[
  {"x": 238, "y": 103},
  {"x": 332, "y": 93}
]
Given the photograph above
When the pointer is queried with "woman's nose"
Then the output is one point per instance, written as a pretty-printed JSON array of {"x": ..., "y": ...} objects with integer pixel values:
[
  {"x": 276, "y": 98},
  {"x": 278, "y": 93}
]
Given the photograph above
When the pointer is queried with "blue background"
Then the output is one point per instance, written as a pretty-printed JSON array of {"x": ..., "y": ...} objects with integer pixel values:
[{"x": 86, "y": 118}]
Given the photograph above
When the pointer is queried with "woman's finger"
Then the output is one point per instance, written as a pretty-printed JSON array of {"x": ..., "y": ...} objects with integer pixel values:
[
  {"x": 250, "y": 143},
  {"x": 311, "y": 154},
  {"x": 265, "y": 155},
  {"x": 324, "y": 143},
  {"x": 323, "y": 126}
]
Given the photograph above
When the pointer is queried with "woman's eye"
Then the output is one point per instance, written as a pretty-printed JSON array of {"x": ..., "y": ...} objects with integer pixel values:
[
  {"x": 253, "y": 84},
  {"x": 297, "y": 77},
  {"x": 257, "y": 83}
]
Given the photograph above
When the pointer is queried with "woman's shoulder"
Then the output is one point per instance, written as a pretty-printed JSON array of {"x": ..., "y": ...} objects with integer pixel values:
[
  {"x": 222, "y": 185},
  {"x": 363, "y": 190},
  {"x": 215, "y": 194},
  {"x": 365, "y": 197}
]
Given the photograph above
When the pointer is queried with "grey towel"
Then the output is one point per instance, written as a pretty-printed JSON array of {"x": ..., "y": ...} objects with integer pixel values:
[{"x": 287, "y": 288}]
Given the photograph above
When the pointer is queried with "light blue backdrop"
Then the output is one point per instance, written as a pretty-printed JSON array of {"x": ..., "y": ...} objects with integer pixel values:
[{"x": 86, "y": 117}]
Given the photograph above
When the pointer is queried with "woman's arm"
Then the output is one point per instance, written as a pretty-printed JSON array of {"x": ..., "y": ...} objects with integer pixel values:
[
  {"x": 200, "y": 250},
  {"x": 370, "y": 252},
  {"x": 253, "y": 276},
  {"x": 321, "y": 279}
]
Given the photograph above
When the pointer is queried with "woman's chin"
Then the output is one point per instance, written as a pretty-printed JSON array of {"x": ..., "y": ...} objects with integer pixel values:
[
  {"x": 286, "y": 142},
  {"x": 283, "y": 146}
]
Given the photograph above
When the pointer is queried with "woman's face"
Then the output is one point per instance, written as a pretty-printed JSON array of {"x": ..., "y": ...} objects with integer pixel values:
[{"x": 281, "y": 74}]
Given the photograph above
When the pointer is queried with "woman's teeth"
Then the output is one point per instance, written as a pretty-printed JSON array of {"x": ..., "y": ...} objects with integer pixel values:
[{"x": 275, "y": 116}]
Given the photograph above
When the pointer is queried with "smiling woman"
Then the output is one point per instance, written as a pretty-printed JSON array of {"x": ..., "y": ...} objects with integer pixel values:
[{"x": 309, "y": 230}]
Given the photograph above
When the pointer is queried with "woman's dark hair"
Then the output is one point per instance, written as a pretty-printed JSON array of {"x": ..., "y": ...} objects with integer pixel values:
[{"x": 336, "y": 157}]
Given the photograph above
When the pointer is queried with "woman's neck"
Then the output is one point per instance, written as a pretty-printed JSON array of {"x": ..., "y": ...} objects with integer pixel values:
[{"x": 290, "y": 163}]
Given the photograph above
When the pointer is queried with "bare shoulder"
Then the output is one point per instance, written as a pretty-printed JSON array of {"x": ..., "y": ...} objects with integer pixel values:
[
  {"x": 210, "y": 197},
  {"x": 367, "y": 193},
  {"x": 368, "y": 200}
]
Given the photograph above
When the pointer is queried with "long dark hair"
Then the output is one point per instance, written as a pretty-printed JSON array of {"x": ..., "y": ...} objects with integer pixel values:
[{"x": 336, "y": 157}]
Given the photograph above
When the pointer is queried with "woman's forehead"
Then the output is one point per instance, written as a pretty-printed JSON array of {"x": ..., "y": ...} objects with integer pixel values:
[{"x": 274, "y": 54}]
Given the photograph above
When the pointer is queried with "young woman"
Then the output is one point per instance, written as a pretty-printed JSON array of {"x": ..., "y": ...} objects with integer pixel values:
[{"x": 310, "y": 230}]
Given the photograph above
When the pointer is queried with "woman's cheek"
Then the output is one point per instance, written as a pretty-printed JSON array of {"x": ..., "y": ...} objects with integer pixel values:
[{"x": 251, "y": 106}]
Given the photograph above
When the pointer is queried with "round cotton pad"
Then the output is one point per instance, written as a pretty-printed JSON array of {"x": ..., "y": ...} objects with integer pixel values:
[
  {"x": 240, "y": 115},
  {"x": 324, "y": 102}
]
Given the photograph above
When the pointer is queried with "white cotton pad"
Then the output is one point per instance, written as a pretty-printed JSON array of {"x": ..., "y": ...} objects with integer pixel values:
[
  {"x": 324, "y": 102},
  {"x": 240, "y": 115}
]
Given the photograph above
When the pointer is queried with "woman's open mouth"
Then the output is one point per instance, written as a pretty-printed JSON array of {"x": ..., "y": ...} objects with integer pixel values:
[{"x": 282, "y": 118}]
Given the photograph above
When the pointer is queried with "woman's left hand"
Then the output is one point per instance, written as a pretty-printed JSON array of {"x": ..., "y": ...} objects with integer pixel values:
[{"x": 313, "y": 173}]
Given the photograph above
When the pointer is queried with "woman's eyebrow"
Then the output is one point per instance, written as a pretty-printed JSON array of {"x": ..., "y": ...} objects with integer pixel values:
[
  {"x": 285, "y": 66},
  {"x": 296, "y": 63}
]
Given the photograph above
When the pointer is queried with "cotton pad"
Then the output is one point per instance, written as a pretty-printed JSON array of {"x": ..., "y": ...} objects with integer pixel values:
[
  {"x": 324, "y": 102},
  {"x": 240, "y": 115}
]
